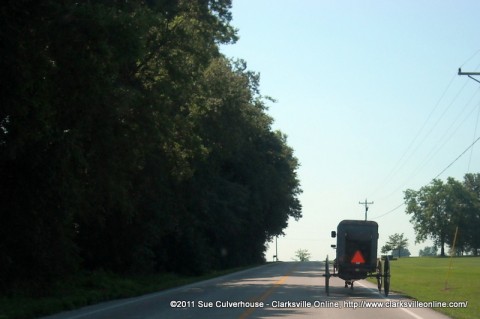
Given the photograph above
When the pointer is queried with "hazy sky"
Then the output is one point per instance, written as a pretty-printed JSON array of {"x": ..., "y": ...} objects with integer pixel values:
[{"x": 369, "y": 96}]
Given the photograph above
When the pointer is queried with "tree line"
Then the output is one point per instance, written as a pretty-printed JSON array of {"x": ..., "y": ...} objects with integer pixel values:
[
  {"x": 441, "y": 209},
  {"x": 129, "y": 143}
]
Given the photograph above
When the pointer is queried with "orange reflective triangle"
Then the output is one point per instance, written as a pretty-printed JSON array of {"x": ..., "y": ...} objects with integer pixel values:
[{"x": 358, "y": 258}]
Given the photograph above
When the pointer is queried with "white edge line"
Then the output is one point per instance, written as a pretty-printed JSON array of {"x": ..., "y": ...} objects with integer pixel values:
[{"x": 376, "y": 292}]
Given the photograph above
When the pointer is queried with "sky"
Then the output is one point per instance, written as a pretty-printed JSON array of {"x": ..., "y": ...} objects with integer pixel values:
[{"x": 369, "y": 95}]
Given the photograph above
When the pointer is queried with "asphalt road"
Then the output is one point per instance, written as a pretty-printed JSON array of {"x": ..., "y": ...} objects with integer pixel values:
[{"x": 284, "y": 289}]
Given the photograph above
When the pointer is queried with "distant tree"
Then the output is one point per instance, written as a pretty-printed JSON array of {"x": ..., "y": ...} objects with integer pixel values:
[
  {"x": 302, "y": 255},
  {"x": 428, "y": 251},
  {"x": 430, "y": 215},
  {"x": 404, "y": 252},
  {"x": 439, "y": 208},
  {"x": 386, "y": 248},
  {"x": 397, "y": 243}
]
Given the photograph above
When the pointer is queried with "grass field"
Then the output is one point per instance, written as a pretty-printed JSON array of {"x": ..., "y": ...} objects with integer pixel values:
[{"x": 424, "y": 279}]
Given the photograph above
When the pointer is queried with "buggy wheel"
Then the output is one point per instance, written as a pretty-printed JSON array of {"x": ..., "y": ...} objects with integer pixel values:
[
  {"x": 379, "y": 275},
  {"x": 386, "y": 277},
  {"x": 327, "y": 277}
]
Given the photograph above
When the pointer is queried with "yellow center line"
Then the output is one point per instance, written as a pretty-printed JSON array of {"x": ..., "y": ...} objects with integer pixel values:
[{"x": 266, "y": 294}]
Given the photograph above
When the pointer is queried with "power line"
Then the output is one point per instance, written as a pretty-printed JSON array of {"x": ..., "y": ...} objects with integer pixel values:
[
  {"x": 474, "y": 136},
  {"x": 449, "y": 133},
  {"x": 399, "y": 165},
  {"x": 390, "y": 211},
  {"x": 470, "y": 75},
  {"x": 425, "y": 137},
  {"x": 436, "y": 148},
  {"x": 449, "y": 165},
  {"x": 471, "y": 145},
  {"x": 470, "y": 58}
]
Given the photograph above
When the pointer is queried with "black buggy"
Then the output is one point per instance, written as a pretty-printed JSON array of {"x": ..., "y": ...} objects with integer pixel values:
[{"x": 356, "y": 246}]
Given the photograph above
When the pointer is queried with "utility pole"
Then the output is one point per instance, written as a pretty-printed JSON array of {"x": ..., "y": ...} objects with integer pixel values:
[
  {"x": 366, "y": 206},
  {"x": 275, "y": 257},
  {"x": 276, "y": 248},
  {"x": 469, "y": 74}
]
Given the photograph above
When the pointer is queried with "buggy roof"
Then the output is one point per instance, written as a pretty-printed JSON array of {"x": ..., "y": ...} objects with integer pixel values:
[
  {"x": 357, "y": 226},
  {"x": 358, "y": 222}
]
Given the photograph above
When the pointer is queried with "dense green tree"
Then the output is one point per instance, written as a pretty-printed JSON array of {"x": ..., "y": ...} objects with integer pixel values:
[
  {"x": 462, "y": 208},
  {"x": 472, "y": 213},
  {"x": 242, "y": 164},
  {"x": 404, "y": 252},
  {"x": 440, "y": 208},
  {"x": 430, "y": 214},
  {"x": 129, "y": 143}
]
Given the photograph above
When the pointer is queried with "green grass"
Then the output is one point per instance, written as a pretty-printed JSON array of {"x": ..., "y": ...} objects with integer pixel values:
[
  {"x": 425, "y": 279},
  {"x": 86, "y": 289}
]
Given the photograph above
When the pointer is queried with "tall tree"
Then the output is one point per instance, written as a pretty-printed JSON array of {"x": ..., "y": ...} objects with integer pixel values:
[
  {"x": 440, "y": 208},
  {"x": 471, "y": 183},
  {"x": 129, "y": 143},
  {"x": 462, "y": 215},
  {"x": 430, "y": 213}
]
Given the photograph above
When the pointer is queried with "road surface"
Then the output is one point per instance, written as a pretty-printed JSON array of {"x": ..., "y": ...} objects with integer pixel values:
[{"x": 283, "y": 289}]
